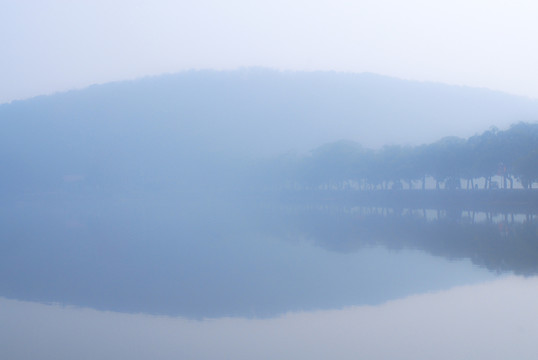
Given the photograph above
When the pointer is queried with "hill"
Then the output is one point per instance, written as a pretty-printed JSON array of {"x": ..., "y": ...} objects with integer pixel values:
[{"x": 183, "y": 126}]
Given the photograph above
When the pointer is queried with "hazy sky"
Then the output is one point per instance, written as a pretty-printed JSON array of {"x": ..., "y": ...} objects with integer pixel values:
[{"x": 55, "y": 45}]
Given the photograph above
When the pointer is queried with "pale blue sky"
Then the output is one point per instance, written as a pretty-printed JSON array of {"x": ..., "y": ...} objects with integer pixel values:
[{"x": 56, "y": 45}]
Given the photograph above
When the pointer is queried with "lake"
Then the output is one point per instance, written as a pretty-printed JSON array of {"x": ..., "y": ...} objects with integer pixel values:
[{"x": 263, "y": 276}]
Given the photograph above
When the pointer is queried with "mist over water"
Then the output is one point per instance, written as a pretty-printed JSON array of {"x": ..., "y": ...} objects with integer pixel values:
[
  {"x": 179, "y": 196},
  {"x": 222, "y": 259}
]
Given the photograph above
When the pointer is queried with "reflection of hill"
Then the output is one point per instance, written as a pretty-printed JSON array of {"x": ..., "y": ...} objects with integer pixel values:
[
  {"x": 500, "y": 241},
  {"x": 200, "y": 257}
]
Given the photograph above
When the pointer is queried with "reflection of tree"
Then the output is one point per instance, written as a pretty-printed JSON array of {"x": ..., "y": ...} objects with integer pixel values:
[{"x": 500, "y": 246}]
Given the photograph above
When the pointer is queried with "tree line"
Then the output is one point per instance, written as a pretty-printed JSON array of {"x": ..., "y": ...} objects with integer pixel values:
[{"x": 450, "y": 163}]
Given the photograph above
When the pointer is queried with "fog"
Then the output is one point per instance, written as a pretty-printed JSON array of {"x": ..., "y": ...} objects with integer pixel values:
[
  {"x": 197, "y": 126},
  {"x": 213, "y": 212},
  {"x": 269, "y": 112},
  {"x": 277, "y": 179}
]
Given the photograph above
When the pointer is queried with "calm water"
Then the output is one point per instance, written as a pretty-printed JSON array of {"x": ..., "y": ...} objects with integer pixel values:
[{"x": 175, "y": 277}]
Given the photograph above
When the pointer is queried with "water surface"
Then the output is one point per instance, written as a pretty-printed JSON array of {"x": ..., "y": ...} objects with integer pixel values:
[{"x": 188, "y": 277}]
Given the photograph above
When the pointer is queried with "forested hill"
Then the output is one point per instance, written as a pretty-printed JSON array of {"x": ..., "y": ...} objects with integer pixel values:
[
  {"x": 184, "y": 128},
  {"x": 264, "y": 112}
]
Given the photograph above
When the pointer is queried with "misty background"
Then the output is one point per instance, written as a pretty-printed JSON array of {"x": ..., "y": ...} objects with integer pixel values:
[
  {"x": 169, "y": 194},
  {"x": 203, "y": 165},
  {"x": 208, "y": 128}
]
